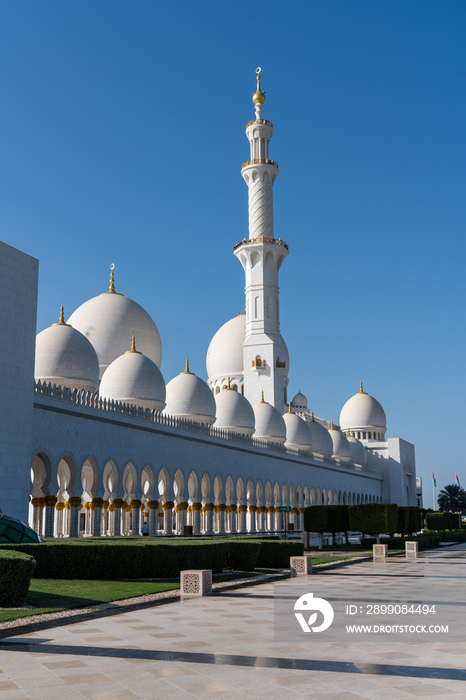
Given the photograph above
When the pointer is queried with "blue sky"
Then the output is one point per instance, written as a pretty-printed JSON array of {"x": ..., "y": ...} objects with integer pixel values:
[{"x": 122, "y": 138}]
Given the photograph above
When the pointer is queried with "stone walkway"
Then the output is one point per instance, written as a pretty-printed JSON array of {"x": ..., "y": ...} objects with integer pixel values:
[{"x": 225, "y": 647}]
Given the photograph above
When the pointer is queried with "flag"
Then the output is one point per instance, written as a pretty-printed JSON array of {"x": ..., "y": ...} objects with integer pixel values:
[
  {"x": 456, "y": 477},
  {"x": 433, "y": 478}
]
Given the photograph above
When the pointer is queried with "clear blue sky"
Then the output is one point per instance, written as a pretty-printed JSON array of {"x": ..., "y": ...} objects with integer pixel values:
[{"x": 122, "y": 138}]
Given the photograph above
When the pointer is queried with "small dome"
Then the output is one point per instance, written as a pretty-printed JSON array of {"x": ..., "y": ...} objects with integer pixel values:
[
  {"x": 341, "y": 446},
  {"x": 320, "y": 438},
  {"x": 299, "y": 401},
  {"x": 358, "y": 451},
  {"x": 108, "y": 322},
  {"x": 269, "y": 422},
  {"x": 225, "y": 353},
  {"x": 189, "y": 397},
  {"x": 298, "y": 434},
  {"x": 66, "y": 358},
  {"x": 134, "y": 379},
  {"x": 363, "y": 412},
  {"x": 234, "y": 412}
]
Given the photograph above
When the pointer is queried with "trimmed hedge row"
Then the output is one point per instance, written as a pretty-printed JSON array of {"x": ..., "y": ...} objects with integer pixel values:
[
  {"x": 424, "y": 541},
  {"x": 97, "y": 559},
  {"x": 374, "y": 518},
  {"x": 16, "y": 571},
  {"x": 326, "y": 519},
  {"x": 443, "y": 521}
]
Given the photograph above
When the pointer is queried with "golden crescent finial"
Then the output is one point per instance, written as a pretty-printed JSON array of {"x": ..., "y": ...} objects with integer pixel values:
[
  {"x": 259, "y": 97},
  {"x": 331, "y": 426},
  {"x": 361, "y": 389},
  {"x": 262, "y": 398},
  {"x": 133, "y": 347},
  {"x": 289, "y": 408},
  {"x": 186, "y": 371},
  {"x": 312, "y": 418},
  {"x": 348, "y": 434},
  {"x": 111, "y": 289}
]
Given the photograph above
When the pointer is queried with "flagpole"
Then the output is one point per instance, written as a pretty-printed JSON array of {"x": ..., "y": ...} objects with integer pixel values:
[{"x": 433, "y": 493}]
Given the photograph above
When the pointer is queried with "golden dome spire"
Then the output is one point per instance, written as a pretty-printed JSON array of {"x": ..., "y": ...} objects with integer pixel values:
[
  {"x": 289, "y": 408},
  {"x": 111, "y": 289},
  {"x": 361, "y": 389},
  {"x": 228, "y": 385},
  {"x": 312, "y": 418},
  {"x": 186, "y": 371},
  {"x": 262, "y": 398},
  {"x": 331, "y": 426},
  {"x": 348, "y": 434},
  {"x": 133, "y": 347},
  {"x": 61, "y": 322},
  {"x": 259, "y": 97}
]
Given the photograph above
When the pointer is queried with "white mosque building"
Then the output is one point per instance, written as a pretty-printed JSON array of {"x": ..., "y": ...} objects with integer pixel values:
[{"x": 108, "y": 442}]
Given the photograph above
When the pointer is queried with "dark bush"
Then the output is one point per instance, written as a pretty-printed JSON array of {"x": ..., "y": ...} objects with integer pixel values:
[
  {"x": 436, "y": 521},
  {"x": 374, "y": 518},
  {"x": 242, "y": 555},
  {"x": 326, "y": 519},
  {"x": 276, "y": 554},
  {"x": 403, "y": 520},
  {"x": 16, "y": 570},
  {"x": 414, "y": 519}
]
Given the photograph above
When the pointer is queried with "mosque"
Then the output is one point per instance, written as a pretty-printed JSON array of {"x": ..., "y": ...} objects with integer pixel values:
[{"x": 95, "y": 441}]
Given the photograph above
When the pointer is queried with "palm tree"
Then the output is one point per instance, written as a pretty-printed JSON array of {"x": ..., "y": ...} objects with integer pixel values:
[{"x": 452, "y": 498}]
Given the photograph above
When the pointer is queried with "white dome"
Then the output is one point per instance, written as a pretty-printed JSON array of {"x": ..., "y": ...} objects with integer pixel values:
[
  {"x": 134, "y": 379},
  {"x": 363, "y": 412},
  {"x": 299, "y": 401},
  {"x": 189, "y": 397},
  {"x": 225, "y": 353},
  {"x": 341, "y": 446},
  {"x": 66, "y": 358},
  {"x": 109, "y": 321},
  {"x": 298, "y": 434},
  {"x": 269, "y": 423},
  {"x": 320, "y": 439},
  {"x": 358, "y": 451},
  {"x": 234, "y": 412}
]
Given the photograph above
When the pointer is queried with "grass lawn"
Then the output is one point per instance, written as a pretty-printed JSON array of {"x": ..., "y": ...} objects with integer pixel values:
[{"x": 48, "y": 595}]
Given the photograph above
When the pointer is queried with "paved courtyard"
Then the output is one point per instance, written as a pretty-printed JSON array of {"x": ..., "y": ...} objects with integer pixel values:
[{"x": 223, "y": 646}]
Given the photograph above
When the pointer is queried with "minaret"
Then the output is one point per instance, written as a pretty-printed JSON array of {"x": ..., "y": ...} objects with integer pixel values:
[{"x": 265, "y": 356}]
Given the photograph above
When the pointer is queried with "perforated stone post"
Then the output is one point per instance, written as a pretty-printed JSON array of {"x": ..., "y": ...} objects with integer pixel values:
[
  {"x": 379, "y": 551},
  {"x": 301, "y": 566},
  {"x": 411, "y": 550},
  {"x": 196, "y": 582}
]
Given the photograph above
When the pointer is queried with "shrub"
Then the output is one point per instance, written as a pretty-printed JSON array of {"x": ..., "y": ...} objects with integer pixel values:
[
  {"x": 403, "y": 520},
  {"x": 326, "y": 519},
  {"x": 276, "y": 554},
  {"x": 16, "y": 570},
  {"x": 436, "y": 521},
  {"x": 242, "y": 555},
  {"x": 374, "y": 518},
  {"x": 414, "y": 519}
]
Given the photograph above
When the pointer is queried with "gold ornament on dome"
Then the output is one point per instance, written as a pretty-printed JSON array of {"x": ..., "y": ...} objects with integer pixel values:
[{"x": 259, "y": 97}]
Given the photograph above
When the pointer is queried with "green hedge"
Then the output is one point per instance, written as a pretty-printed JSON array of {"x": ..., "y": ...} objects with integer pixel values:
[
  {"x": 242, "y": 555},
  {"x": 403, "y": 520},
  {"x": 276, "y": 554},
  {"x": 128, "y": 558},
  {"x": 443, "y": 521},
  {"x": 16, "y": 570},
  {"x": 414, "y": 519},
  {"x": 374, "y": 518},
  {"x": 326, "y": 519},
  {"x": 424, "y": 541}
]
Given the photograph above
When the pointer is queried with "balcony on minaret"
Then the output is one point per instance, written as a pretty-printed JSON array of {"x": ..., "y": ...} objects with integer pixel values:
[
  {"x": 260, "y": 161},
  {"x": 258, "y": 364},
  {"x": 280, "y": 366},
  {"x": 260, "y": 239}
]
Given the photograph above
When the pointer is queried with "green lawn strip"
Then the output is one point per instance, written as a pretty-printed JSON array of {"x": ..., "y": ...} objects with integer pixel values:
[{"x": 49, "y": 596}]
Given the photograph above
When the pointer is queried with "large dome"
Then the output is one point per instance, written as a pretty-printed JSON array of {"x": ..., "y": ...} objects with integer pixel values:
[
  {"x": 298, "y": 434},
  {"x": 358, "y": 451},
  {"x": 234, "y": 412},
  {"x": 320, "y": 438},
  {"x": 269, "y": 423},
  {"x": 66, "y": 358},
  {"x": 225, "y": 353},
  {"x": 299, "y": 401},
  {"x": 189, "y": 397},
  {"x": 108, "y": 322},
  {"x": 134, "y": 379},
  {"x": 363, "y": 412},
  {"x": 341, "y": 446}
]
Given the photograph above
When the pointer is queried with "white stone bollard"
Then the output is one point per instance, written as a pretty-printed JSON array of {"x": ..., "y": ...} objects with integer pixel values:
[
  {"x": 300, "y": 566},
  {"x": 196, "y": 582},
  {"x": 411, "y": 550},
  {"x": 379, "y": 551}
]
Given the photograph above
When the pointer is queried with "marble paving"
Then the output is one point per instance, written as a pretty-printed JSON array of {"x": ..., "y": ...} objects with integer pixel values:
[{"x": 223, "y": 647}]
